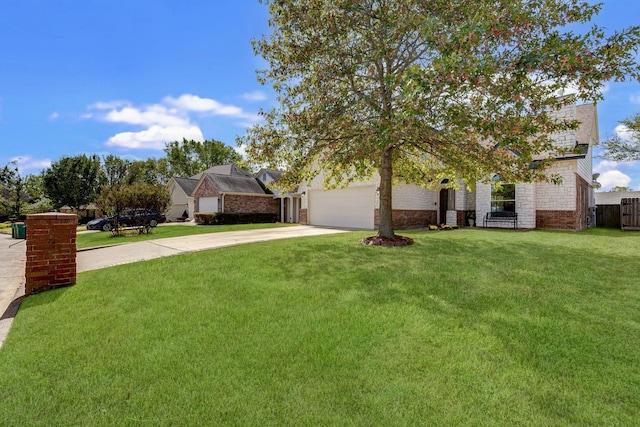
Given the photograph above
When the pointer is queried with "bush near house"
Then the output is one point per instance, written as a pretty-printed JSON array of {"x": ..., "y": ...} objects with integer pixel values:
[{"x": 219, "y": 218}]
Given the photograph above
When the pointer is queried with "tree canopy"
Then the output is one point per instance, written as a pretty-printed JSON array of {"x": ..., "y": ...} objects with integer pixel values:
[
  {"x": 625, "y": 147},
  {"x": 134, "y": 201},
  {"x": 189, "y": 157},
  {"x": 72, "y": 181},
  {"x": 420, "y": 91},
  {"x": 119, "y": 171}
]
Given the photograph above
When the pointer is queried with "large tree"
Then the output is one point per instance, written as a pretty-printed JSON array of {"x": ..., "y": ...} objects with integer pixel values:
[
  {"x": 19, "y": 195},
  {"x": 420, "y": 91},
  {"x": 136, "y": 203},
  {"x": 189, "y": 157},
  {"x": 625, "y": 146},
  {"x": 72, "y": 181},
  {"x": 119, "y": 171}
]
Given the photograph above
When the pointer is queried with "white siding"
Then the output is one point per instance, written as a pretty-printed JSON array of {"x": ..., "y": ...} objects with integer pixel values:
[
  {"x": 179, "y": 202},
  {"x": 614, "y": 197},
  {"x": 585, "y": 166}
]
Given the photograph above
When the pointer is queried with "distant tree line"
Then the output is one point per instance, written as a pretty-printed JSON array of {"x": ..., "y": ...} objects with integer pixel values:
[{"x": 77, "y": 181}]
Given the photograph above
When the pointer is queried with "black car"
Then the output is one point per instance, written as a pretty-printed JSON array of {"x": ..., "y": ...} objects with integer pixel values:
[
  {"x": 132, "y": 219},
  {"x": 104, "y": 224}
]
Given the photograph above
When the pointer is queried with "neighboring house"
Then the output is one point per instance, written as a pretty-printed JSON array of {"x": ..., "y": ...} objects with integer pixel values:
[
  {"x": 223, "y": 188},
  {"x": 89, "y": 211},
  {"x": 289, "y": 202},
  {"x": 181, "y": 191},
  {"x": 614, "y": 197},
  {"x": 568, "y": 206}
]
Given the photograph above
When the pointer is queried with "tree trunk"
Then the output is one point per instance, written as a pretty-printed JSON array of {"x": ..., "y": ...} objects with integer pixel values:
[{"x": 385, "y": 226}]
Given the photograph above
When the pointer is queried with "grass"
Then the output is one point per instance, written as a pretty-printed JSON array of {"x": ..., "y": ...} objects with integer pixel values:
[
  {"x": 102, "y": 238},
  {"x": 467, "y": 327},
  {"x": 5, "y": 227}
]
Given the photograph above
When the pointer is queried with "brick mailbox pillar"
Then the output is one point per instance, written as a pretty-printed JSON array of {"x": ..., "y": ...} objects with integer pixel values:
[{"x": 51, "y": 251}]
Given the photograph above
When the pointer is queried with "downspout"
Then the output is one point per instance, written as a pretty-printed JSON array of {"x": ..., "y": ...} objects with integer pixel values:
[{"x": 221, "y": 202}]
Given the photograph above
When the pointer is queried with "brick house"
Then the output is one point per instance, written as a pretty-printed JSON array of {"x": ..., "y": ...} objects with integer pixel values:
[
  {"x": 568, "y": 206},
  {"x": 223, "y": 188}
]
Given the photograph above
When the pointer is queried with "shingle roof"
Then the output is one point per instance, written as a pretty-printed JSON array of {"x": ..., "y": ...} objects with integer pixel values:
[
  {"x": 188, "y": 185},
  {"x": 273, "y": 173},
  {"x": 228, "y": 170},
  {"x": 236, "y": 184}
]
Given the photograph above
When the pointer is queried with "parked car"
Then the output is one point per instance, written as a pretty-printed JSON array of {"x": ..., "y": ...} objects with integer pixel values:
[{"x": 132, "y": 219}]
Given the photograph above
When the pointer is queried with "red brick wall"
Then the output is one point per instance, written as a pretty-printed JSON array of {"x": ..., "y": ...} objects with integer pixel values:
[
  {"x": 583, "y": 190},
  {"x": 461, "y": 218},
  {"x": 253, "y": 204},
  {"x": 568, "y": 220},
  {"x": 206, "y": 189},
  {"x": 51, "y": 251},
  {"x": 408, "y": 218},
  {"x": 303, "y": 217},
  {"x": 557, "y": 220}
]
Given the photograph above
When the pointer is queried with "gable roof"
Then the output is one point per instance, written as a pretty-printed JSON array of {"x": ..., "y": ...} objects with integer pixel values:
[
  {"x": 228, "y": 170},
  {"x": 236, "y": 184},
  {"x": 273, "y": 173},
  {"x": 188, "y": 185}
]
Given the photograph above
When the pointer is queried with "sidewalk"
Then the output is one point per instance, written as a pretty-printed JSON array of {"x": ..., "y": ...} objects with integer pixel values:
[
  {"x": 12, "y": 261},
  {"x": 12, "y": 254}
]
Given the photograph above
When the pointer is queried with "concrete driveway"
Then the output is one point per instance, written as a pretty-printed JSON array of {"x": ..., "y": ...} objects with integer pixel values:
[
  {"x": 94, "y": 259},
  {"x": 13, "y": 257}
]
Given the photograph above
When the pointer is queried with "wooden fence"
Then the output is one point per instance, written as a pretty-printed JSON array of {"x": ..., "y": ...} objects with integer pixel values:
[
  {"x": 608, "y": 216},
  {"x": 630, "y": 214}
]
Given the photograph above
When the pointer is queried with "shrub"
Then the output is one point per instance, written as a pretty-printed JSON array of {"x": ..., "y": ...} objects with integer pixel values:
[{"x": 213, "y": 218}]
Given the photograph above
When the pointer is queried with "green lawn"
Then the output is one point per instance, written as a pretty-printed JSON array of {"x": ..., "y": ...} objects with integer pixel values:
[
  {"x": 466, "y": 327},
  {"x": 102, "y": 238}
]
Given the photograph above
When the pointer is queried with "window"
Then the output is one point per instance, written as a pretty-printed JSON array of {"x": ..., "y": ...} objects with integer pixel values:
[{"x": 503, "y": 199}]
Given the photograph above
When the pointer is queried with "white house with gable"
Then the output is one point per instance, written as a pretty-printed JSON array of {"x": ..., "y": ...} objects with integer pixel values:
[{"x": 567, "y": 206}]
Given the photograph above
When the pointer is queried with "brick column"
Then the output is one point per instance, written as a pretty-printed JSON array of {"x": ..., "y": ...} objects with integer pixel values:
[{"x": 51, "y": 251}]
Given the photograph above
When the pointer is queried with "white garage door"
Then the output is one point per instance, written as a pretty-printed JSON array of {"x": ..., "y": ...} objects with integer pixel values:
[
  {"x": 208, "y": 204},
  {"x": 350, "y": 207}
]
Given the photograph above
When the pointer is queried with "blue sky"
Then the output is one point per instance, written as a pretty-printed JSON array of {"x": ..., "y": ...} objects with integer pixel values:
[{"x": 124, "y": 77}]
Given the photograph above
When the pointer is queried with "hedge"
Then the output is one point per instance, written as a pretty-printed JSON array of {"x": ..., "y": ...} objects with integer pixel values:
[{"x": 219, "y": 218}]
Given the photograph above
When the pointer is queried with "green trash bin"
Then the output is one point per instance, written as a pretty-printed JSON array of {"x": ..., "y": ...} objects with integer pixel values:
[{"x": 18, "y": 231}]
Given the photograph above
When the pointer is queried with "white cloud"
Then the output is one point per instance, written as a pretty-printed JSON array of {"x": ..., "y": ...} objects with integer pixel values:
[
  {"x": 204, "y": 105},
  {"x": 54, "y": 116},
  {"x": 613, "y": 178},
  {"x": 28, "y": 163},
  {"x": 624, "y": 133},
  {"x": 242, "y": 150},
  {"x": 635, "y": 98},
  {"x": 610, "y": 165},
  {"x": 152, "y": 115},
  {"x": 155, "y": 137},
  {"x": 111, "y": 105},
  {"x": 254, "y": 96},
  {"x": 193, "y": 103},
  {"x": 170, "y": 120}
]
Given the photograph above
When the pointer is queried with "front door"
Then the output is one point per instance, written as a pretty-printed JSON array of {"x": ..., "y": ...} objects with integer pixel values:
[{"x": 443, "y": 206}]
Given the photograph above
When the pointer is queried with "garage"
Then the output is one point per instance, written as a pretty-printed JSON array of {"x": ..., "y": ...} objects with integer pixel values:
[
  {"x": 349, "y": 207},
  {"x": 208, "y": 204}
]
